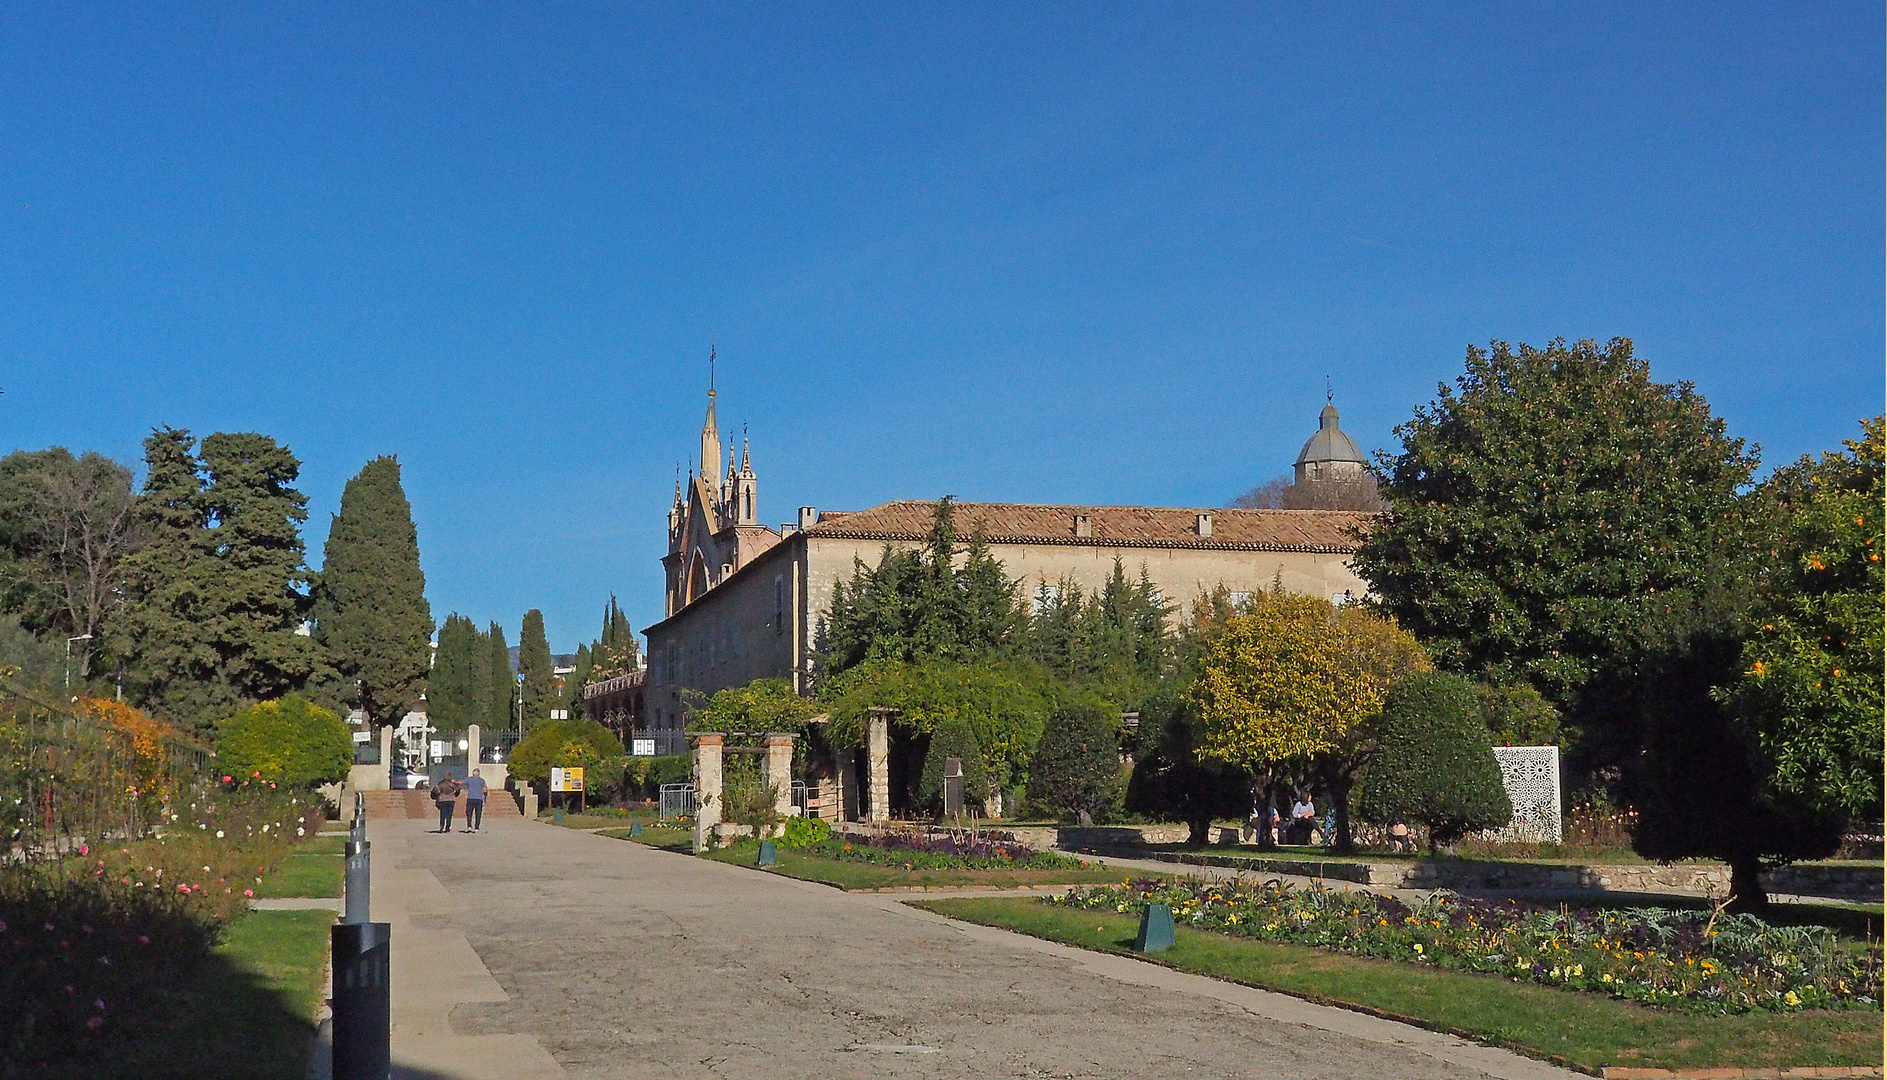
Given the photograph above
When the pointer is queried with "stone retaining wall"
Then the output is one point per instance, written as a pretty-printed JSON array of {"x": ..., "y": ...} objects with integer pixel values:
[{"x": 1859, "y": 883}]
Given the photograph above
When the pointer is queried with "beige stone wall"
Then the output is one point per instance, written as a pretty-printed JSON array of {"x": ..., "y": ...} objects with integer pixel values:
[
  {"x": 1180, "y": 573},
  {"x": 745, "y": 628},
  {"x": 740, "y": 631}
]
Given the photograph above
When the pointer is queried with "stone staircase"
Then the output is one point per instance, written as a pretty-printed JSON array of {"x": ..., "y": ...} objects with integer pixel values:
[{"x": 382, "y": 805}]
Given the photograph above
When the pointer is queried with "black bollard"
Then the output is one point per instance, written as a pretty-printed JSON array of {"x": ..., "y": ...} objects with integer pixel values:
[
  {"x": 358, "y": 886},
  {"x": 363, "y": 1001}
]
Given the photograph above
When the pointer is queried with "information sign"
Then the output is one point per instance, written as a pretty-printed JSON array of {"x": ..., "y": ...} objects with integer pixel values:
[{"x": 643, "y": 747}]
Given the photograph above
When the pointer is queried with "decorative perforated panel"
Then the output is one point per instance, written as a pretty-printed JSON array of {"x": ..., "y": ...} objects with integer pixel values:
[{"x": 1531, "y": 776}]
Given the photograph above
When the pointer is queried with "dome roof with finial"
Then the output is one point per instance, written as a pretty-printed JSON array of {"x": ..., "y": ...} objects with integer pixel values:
[{"x": 1330, "y": 443}]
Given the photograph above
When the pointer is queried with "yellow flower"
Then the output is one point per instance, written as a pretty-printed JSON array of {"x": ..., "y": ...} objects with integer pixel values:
[
  {"x": 1791, "y": 1000},
  {"x": 1418, "y": 948}
]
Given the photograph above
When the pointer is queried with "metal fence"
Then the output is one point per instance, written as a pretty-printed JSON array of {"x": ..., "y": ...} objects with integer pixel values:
[
  {"x": 495, "y": 746},
  {"x": 85, "y": 772},
  {"x": 678, "y": 801},
  {"x": 660, "y": 742}
]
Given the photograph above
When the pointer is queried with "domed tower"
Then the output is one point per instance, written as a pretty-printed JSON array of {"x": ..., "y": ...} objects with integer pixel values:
[{"x": 1329, "y": 454}]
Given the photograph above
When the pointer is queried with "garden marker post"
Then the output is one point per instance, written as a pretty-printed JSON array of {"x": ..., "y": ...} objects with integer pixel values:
[
  {"x": 357, "y": 888},
  {"x": 767, "y": 854},
  {"x": 363, "y": 1001},
  {"x": 1156, "y": 932}
]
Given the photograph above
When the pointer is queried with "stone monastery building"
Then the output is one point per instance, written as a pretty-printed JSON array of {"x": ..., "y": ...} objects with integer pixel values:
[{"x": 745, "y": 600}]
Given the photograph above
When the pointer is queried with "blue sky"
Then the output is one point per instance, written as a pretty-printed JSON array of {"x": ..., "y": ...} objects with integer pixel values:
[{"x": 1044, "y": 253}]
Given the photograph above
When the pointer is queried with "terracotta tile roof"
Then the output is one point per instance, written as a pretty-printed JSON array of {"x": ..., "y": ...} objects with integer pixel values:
[{"x": 1109, "y": 526}]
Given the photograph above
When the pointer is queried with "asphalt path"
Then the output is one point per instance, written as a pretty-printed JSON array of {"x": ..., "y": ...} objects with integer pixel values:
[{"x": 535, "y": 950}]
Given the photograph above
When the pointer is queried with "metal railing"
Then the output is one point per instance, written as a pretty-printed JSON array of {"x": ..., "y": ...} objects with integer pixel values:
[{"x": 677, "y": 801}]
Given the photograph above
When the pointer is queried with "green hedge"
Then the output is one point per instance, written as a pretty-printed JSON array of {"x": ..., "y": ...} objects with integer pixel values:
[
  {"x": 1433, "y": 763},
  {"x": 288, "y": 742}
]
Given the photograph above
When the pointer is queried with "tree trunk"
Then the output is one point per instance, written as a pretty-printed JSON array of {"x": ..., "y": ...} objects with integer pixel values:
[
  {"x": 1266, "y": 804},
  {"x": 1339, "y": 788},
  {"x": 1746, "y": 887},
  {"x": 1199, "y": 831}
]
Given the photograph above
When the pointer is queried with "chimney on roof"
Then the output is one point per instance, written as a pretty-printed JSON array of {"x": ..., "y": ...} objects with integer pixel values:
[
  {"x": 1084, "y": 525},
  {"x": 808, "y": 517},
  {"x": 1205, "y": 526}
]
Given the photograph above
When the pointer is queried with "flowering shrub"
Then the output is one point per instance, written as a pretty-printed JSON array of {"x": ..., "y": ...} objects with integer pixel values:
[
  {"x": 1678, "y": 959},
  {"x": 97, "y": 940},
  {"x": 917, "y": 851}
]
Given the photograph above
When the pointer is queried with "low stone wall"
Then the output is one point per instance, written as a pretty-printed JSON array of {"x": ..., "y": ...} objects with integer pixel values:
[
  {"x": 1048, "y": 836},
  {"x": 1856, "y": 882}
]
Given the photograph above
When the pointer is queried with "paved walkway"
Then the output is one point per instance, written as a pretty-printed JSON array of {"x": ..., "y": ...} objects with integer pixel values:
[{"x": 531, "y": 950}]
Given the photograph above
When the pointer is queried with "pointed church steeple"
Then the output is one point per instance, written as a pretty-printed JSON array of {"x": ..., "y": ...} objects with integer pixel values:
[
  {"x": 744, "y": 486},
  {"x": 711, "y": 434}
]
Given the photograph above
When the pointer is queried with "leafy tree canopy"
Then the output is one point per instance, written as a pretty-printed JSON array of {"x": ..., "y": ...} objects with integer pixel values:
[
  {"x": 1433, "y": 763},
  {"x": 287, "y": 742},
  {"x": 760, "y": 706},
  {"x": 921, "y": 605},
  {"x": 1294, "y": 679},
  {"x": 501, "y": 684},
  {"x": 1004, "y": 703},
  {"x": 1077, "y": 767},
  {"x": 563, "y": 743},
  {"x": 371, "y": 614},
  {"x": 1115, "y": 641},
  {"x": 1809, "y": 690},
  {"x": 953, "y": 739},
  {"x": 1545, "y": 501},
  {"x": 534, "y": 663},
  {"x": 457, "y": 681}
]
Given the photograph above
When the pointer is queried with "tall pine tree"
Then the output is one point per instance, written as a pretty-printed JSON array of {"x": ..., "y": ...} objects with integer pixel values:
[
  {"x": 458, "y": 683},
  {"x": 257, "y": 602},
  {"x": 539, "y": 689},
  {"x": 170, "y": 667},
  {"x": 501, "y": 684},
  {"x": 371, "y": 613}
]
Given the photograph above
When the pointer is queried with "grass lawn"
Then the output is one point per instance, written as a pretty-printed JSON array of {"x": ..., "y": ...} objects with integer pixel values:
[
  {"x": 1583, "y": 1030},
  {"x": 657, "y": 836},
  {"x": 285, "y": 953},
  {"x": 853, "y": 876},
  {"x": 302, "y": 874},
  {"x": 325, "y": 844},
  {"x": 574, "y": 820}
]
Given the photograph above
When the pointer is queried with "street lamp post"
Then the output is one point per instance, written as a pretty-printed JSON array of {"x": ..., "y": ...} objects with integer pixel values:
[{"x": 69, "y": 641}]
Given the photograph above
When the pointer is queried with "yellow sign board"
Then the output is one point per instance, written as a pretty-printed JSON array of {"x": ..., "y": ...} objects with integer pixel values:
[{"x": 566, "y": 779}]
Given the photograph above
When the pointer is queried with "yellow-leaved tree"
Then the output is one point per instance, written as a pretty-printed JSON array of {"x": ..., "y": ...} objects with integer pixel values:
[{"x": 1295, "y": 686}]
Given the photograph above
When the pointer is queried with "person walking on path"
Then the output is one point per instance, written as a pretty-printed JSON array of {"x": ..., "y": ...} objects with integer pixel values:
[
  {"x": 474, "y": 802},
  {"x": 448, "y": 794}
]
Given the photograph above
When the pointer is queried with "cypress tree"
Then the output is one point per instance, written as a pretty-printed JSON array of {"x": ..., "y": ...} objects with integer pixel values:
[
  {"x": 501, "y": 686},
  {"x": 252, "y": 603},
  {"x": 371, "y": 614},
  {"x": 169, "y": 664},
  {"x": 457, "y": 684},
  {"x": 579, "y": 678},
  {"x": 534, "y": 664}
]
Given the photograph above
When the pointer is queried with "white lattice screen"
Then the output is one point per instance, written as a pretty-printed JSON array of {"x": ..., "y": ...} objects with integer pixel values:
[{"x": 1531, "y": 776}]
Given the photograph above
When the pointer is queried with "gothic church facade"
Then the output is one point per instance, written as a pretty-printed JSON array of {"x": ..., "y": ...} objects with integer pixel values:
[{"x": 745, "y": 600}]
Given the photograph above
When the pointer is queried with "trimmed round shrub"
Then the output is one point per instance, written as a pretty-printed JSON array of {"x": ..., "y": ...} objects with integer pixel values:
[
  {"x": 1433, "y": 762},
  {"x": 288, "y": 741},
  {"x": 551, "y": 743},
  {"x": 1076, "y": 766},
  {"x": 953, "y": 739}
]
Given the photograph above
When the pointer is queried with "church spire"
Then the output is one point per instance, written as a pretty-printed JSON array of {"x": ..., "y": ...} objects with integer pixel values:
[{"x": 710, "y": 432}]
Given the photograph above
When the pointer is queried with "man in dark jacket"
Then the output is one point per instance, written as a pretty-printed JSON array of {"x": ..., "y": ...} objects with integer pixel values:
[{"x": 447, "y": 793}]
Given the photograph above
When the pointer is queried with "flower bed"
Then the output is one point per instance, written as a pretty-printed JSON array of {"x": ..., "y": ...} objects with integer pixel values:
[
  {"x": 916, "y": 851},
  {"x": 1677, "y": 959},
  {"x": 92, "y": 945}
]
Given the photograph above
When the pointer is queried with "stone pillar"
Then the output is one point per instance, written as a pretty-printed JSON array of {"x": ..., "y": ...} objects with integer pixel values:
[
  {"x": 777, "y": 768},
  {"x": 471, "y": 749},
  {"x": 843, "y": 760},
  {"x": 878, "y": 744},
  {"x": 707, "y": 769},
  {"x": 386, "y": 758}
]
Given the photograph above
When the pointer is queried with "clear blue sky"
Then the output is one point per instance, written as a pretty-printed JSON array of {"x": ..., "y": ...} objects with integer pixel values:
[{"x": 1087, "y": 253}]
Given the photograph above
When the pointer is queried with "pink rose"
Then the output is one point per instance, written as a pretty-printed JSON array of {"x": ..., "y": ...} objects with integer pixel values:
[{"x": 249, "y": 892}]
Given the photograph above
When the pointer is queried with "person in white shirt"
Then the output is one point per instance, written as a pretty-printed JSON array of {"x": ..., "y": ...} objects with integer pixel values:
[{"x": 1303, "y": 818}]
